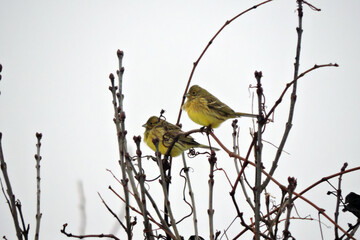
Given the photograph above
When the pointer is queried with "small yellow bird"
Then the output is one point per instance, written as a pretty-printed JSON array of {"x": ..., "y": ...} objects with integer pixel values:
[
  {"x": 206, "y": 110},
  {"x": 166, "y": 132}
]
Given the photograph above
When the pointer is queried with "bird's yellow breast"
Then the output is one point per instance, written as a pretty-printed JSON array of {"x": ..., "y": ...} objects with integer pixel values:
[
  {"x": 148, "y": 139},
  {"x": 200, "y": 113}
]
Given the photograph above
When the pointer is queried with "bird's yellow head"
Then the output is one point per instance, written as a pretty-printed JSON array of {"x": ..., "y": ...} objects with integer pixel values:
[
  {"x": 195, "y": 91},
  {"x": 151, "y": 122}
]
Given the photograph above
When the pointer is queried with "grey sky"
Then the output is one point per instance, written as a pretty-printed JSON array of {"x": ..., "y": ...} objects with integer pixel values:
[{"x": 57, "y": 56}]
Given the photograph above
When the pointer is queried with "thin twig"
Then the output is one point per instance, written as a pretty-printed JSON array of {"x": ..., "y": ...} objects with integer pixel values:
[
  {"x": 25, "y": 231},
  {"x": 87, "y": 236},
  {"x": 153, "y": 203},
  {"x": 9, "y": 192},
  {"x": 112, "y": 212},
  {"x": 288, "y": 85},
  {"x": 140, "y": 176},
  {"x": 192, "y": 198},
  {"x": 163, "y": 225},
  {"x": 212, "y": 161},
  {"x": 338, "y": 200},
  {"x": 321, "y": 232},
  {"x": 164, "y": 187},
  {"x": 38, "y": 179}
]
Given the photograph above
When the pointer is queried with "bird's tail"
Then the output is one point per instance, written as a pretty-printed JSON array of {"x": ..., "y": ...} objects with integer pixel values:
[
  {"x": 207, "y": 147},
  {"x": 240, "y": 114}
]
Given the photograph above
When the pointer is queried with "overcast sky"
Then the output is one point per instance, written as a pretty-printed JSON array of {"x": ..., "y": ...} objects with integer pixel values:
[{"x": 56, "y": 58}]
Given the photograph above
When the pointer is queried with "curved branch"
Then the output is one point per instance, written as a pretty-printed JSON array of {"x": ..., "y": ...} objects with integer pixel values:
[{"x": 206, "y": 48}]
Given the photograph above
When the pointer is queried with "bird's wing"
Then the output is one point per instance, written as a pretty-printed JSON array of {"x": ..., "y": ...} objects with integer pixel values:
[{"x": 221, "y": 108}]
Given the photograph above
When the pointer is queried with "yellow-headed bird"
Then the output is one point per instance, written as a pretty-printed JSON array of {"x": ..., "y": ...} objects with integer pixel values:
[
  {"x": 205, "y": 109},
  {"x": 166, "y": 132}
]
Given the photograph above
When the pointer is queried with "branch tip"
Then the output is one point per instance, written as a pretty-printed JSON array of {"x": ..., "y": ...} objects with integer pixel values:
[
  {"x": 39, "y": 136},
  {"x": 120, "y": 53},
  {"x": 111, "y": 76}
]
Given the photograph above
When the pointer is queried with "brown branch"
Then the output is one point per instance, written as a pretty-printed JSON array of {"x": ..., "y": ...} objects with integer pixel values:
[
  {"x": 112, "y": 212},
  {"x": 151, "y": 200},
  {"x": 184, "y": 195},
  {"x": 206, "y": 48},
  {"x": 312, "y": 6},
  {"x": 282, "y": 187},
  {"x": 163, "y": 227},
  {"x": 87, "y": 236},
  {"x": 338, "y": 199},
  {"x": 288, "y": 85}
]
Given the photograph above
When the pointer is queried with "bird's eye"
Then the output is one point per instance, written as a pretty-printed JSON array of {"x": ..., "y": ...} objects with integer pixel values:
[{"x": 193, "y": 93}]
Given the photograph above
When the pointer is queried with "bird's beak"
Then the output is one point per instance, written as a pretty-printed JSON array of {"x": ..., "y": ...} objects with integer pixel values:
[
  {"x": 186, "y": 95},
  {"x": 144, "y": 125}
]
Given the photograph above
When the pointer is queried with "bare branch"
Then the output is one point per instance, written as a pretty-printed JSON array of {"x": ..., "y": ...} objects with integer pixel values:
[
  {"x": 9, "y": 192},
  {"x": 38, "y": 179},
  {"x": 164, "y": 188},
  {"x": 119, "y": 120},
  {"x": 206, "y": 48},
  {"x": 87, "y": 236},
  {"x": 191, "y": 193}
]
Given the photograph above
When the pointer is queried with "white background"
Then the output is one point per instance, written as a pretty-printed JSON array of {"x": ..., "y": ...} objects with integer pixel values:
[{"x": 57, "y": 56}]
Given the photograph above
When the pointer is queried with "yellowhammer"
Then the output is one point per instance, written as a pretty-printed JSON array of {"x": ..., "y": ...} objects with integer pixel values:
[
  {"x": 206, "y": 110},
  {"x": 166, "y": 133}
]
